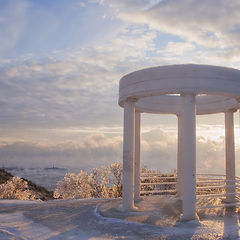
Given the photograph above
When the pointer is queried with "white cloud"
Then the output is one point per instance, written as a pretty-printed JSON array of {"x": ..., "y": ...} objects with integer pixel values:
[
  {"x": 93, "y": 151},
  {"x": 71, "y": 88},
  {"x": 81, "y": 4},
  {"x": 158, "y": 151},
  {"x": 74, "y": 147},
  {"x": 128, "y": 5},
  {"x": 174, "y": 52},
  {"x": 179, "y": 48},
  {"x": 213, "y": 24}
]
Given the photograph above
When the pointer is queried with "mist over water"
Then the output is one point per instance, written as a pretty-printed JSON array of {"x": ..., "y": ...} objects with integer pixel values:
[{"x": 46, "y": 177}]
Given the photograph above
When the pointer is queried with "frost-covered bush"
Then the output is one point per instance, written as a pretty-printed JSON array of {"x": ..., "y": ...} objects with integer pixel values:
[
  {"x": 99, "y": 181},
  {"x": 116, "y": 179},
  {"x": 104, "y": 182},
  {"x": 16, "y": 188},
  {"x": 74, "y": 186}
]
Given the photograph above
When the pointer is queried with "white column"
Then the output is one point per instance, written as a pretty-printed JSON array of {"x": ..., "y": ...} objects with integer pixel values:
[
  {"x": 189, "y": 157},
  {"x": 179, "y": 158},
  {"x": 230, "y": 155},
  {"x": 137, "y": 169},
  {"x": 128, "y": 155}
]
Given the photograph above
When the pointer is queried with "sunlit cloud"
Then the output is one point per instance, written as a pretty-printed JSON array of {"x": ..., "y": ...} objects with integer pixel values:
[
  {"x": 94, "y": 150},
  {"x": 86, "y": 150},
  {"x": 208, "y": 24}
]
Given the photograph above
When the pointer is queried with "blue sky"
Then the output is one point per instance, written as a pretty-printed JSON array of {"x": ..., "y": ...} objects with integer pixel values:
[
  {"x": 60, "y": 65},
  {"x": 42, "y": 27}
]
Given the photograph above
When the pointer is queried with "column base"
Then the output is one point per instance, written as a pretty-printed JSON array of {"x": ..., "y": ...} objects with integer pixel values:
[
  {"x": 229, "y": 211},
  {"x": 189, "y": 218},
  {"x": 129, "y": 209},
  {"x": 180, "y": 196},
  {"x": 229, "y": 200},
  {"x": 137, "y": 200}
]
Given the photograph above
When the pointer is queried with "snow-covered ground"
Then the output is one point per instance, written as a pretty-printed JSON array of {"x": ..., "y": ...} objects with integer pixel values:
[{"x": 79, "y": 219}]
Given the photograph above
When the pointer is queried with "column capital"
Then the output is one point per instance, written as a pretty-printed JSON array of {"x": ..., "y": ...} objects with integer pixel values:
[
  {"x": 232, "y": 110},
  {"x": 131, "y": 100},
  {"x": 188, "y": 94}
]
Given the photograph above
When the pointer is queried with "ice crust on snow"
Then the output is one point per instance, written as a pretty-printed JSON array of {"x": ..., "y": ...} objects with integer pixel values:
[{"x": 79, "y": 219}]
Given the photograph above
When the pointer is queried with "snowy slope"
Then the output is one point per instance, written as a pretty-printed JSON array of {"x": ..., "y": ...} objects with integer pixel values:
[{"x": 78, "y": 219}]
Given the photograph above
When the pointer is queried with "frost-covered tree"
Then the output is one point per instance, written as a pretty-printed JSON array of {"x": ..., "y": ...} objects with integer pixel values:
[
  {"x": 74, "y": 186},
  {"x": 104, "y": 182},
  {"x": 99, "y": 181},
  {"x": 116, "y": 179},
  {"x": 16, "y": 188}
]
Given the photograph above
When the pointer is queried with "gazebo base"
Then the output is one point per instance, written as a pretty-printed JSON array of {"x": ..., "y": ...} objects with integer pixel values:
[{"x": 163, "y": 210}]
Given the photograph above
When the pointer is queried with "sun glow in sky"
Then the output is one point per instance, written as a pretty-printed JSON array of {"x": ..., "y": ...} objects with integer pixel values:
[{"x": 60, "y": 65}]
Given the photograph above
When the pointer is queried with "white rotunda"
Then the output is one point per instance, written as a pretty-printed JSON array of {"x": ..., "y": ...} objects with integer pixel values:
[{"x": 185, "y": 91}]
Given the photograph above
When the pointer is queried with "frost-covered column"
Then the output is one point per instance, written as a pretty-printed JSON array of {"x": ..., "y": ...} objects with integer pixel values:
[
  {"x": 189, "y": 156},
  {"x": 137, "y": 169},
  {"x": 128, "y": 154},
  {"x": 230, "y": 155},
  {"x": 179, "y": 157}
]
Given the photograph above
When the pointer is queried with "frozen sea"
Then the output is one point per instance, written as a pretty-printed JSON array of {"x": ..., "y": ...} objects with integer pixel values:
[{"x": 46, "y": 177}]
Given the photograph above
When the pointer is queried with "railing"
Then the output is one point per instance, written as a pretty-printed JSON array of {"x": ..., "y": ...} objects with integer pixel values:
[
  {"x": 214, "y": 186},
  {"x": 158, "y": 184},
  {"x": 208, "y": 186}
]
